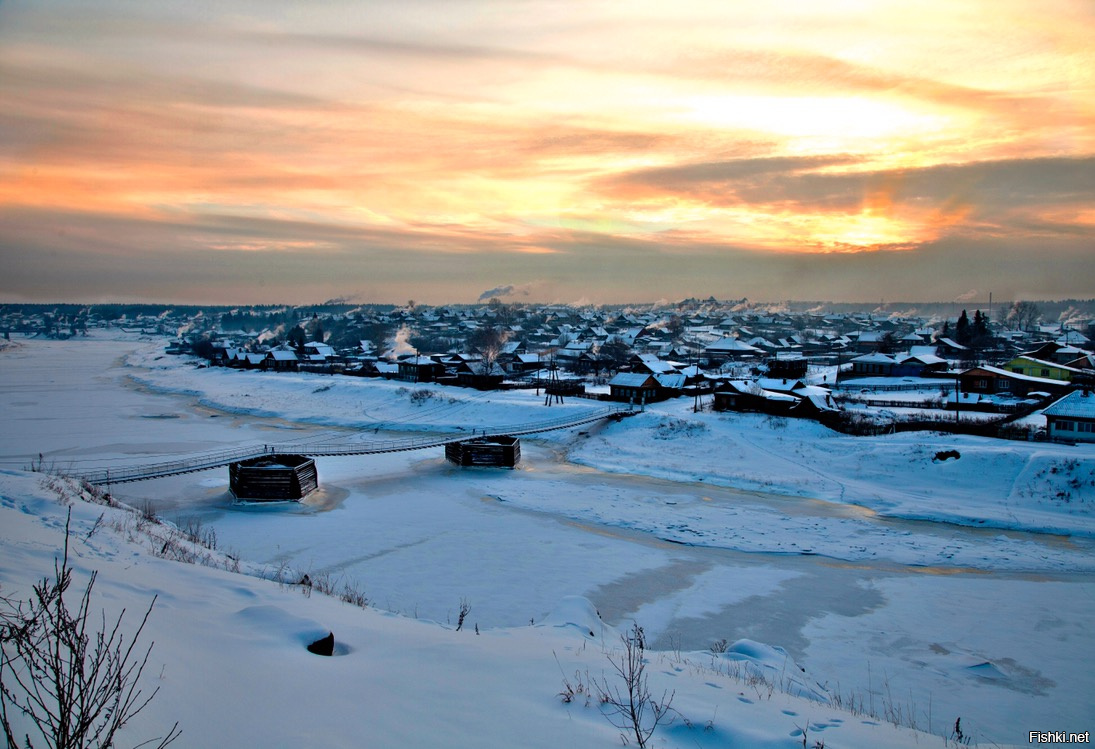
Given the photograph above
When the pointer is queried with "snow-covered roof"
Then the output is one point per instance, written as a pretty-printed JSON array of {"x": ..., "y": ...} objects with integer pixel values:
[
  {"x": 1044, "y": 363},
  {"x": 1072, "y": 337},
  {"x": 1079, "y": 404},
  {"x": 729, "y": 345},
  {"x": 820, "y": 401},
  {"x": 779, "y": 384},
  {"x": 875, "y": 359},
  {"x": 922, "y": 358},
  {"x": 746, "y": 387},
  {"x": 670, "y": 380},
  {"x": 656, "y": 365},
  {"x": 630, "y": 379}
]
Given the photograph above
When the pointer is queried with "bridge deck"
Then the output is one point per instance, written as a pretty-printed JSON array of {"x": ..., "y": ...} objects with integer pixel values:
[{"x": 205, "y": 461}]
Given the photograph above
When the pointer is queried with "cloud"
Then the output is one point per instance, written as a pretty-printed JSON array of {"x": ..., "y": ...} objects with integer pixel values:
[{"x": 980, "y": 198}]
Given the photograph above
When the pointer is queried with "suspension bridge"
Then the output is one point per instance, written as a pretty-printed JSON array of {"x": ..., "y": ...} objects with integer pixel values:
[{"x": 204, "y": 461}]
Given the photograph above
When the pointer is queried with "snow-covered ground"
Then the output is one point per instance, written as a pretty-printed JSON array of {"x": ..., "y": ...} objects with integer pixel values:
[{"x": 941, "y": 588}]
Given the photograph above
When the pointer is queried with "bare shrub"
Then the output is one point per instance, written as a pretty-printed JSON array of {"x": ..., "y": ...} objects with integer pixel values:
[
  {"x": 631, "y": 708},
  {"x": 78, "y": 685}
]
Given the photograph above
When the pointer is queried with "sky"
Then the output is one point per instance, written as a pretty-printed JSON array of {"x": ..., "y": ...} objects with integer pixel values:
[{"x": 597, "y": 152}]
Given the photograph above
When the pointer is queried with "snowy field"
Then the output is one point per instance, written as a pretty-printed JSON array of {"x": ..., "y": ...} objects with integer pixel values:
[{"x": 930, "y": 589}]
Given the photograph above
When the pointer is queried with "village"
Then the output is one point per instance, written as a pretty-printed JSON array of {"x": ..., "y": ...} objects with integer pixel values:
[
  {"x": 856, "y": 372},
  {"x": 806, "y": 479}
]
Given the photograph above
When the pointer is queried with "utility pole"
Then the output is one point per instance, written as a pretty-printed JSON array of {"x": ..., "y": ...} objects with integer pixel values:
[{"x": 957, "y": 398}]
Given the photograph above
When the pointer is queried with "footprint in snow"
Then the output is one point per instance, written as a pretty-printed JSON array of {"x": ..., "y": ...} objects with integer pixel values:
[
  {"x": 746, "y": 700},
  {"x": 792, "y": 713}
]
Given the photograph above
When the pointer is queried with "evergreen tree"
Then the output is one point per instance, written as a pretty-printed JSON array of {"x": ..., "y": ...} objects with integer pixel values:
[
  {"x": 296, "y": 337},
  {"x": 962, "y": 329},
  {"x": 980, "y": 326}
]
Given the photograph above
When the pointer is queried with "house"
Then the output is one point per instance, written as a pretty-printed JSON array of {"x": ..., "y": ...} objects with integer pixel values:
[
  {"x": 875, "y": 365},
  {"x": 418, "y": 369},
  {"x": 1072, "y": 418},
  {"x": 314, "y": 349},
  {"x": 918, "y": 365},
  {"x": 639, "y": 388},
  {"x": 951, "y": 348},
  {"x": 482, "y": 377},
  {"x": 650, "y": 364},
  {"x": 780, "y": 384},
  {"x": 1028, "y": 365},
  {"x": 741, "y": 395},
  {"x": 726, "y": 349},
  {"x": 814, "y": 405},
  {"x": 997, "y": 381},
  {"x": 281, "y": 360},
  {"x": 870, "y": 340},
  {"x": 518, "y": 363},
  {"x": 790, "y": 365}
]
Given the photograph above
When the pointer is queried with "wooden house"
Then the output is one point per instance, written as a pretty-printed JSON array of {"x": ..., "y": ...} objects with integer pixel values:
[
  {"x": 792, "y": 365},
  {"x": 873, "y": 365},
  {"x": 418, "y": 369},
  {"x": 730, "y": 349},
  {"x": 635, "y": 387},
  {"x": 996, "y": 381},
  {"x": 918, "y": 365},
  {"x": 741, "y": 395},
  {"x": 814, "y": 405},
  {"x": 481, "y": 376},
  {"x": 281, "y": 360}
]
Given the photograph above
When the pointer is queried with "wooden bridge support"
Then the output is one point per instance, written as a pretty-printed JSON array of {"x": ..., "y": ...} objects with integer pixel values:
[
  {"x": 273, "y": 478},
  {"x": 502, "y": 452}
]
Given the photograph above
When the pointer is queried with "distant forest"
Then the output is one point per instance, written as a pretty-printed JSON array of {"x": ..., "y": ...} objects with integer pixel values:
[{"x": 1051, "y": 310}]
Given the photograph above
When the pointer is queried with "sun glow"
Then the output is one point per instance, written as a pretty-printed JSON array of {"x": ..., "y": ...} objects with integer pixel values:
[
  {"x": 863, "y": 232},
  {"x": 834, "y": 118}
]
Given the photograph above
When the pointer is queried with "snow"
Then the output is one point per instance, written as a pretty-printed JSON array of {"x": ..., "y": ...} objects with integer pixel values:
[{"x": 864, "y": 568}]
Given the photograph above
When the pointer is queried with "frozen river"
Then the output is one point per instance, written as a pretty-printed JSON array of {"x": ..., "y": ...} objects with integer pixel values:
[{"x": 940, "y": 625}]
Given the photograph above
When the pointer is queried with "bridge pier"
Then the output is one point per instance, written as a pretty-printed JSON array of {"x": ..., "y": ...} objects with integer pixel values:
[
  {"x": 273, "y": 478},
  {"x": 502, "y": 452}
]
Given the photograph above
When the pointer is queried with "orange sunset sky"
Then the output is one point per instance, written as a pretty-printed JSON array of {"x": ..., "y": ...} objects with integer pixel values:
[{"x": 267, "y": 152}]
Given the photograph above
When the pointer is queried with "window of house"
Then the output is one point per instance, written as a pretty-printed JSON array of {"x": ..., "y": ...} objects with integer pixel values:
[
  {"x": 1003, "y": 384},
  {"x": 1064, "y": 426},
  {"x": 1045, "y": 373},
  {"x": 1085, "y": 426}
]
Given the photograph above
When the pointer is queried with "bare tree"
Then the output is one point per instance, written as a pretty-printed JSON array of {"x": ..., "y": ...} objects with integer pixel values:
[
  {"x": 488, "y": 340},
  {"x": 465, "y": 609},
  {"x": 1024, "y": 315},
  {"x": 631, "y": 708},
  {"x": 78, "y": 684}
]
